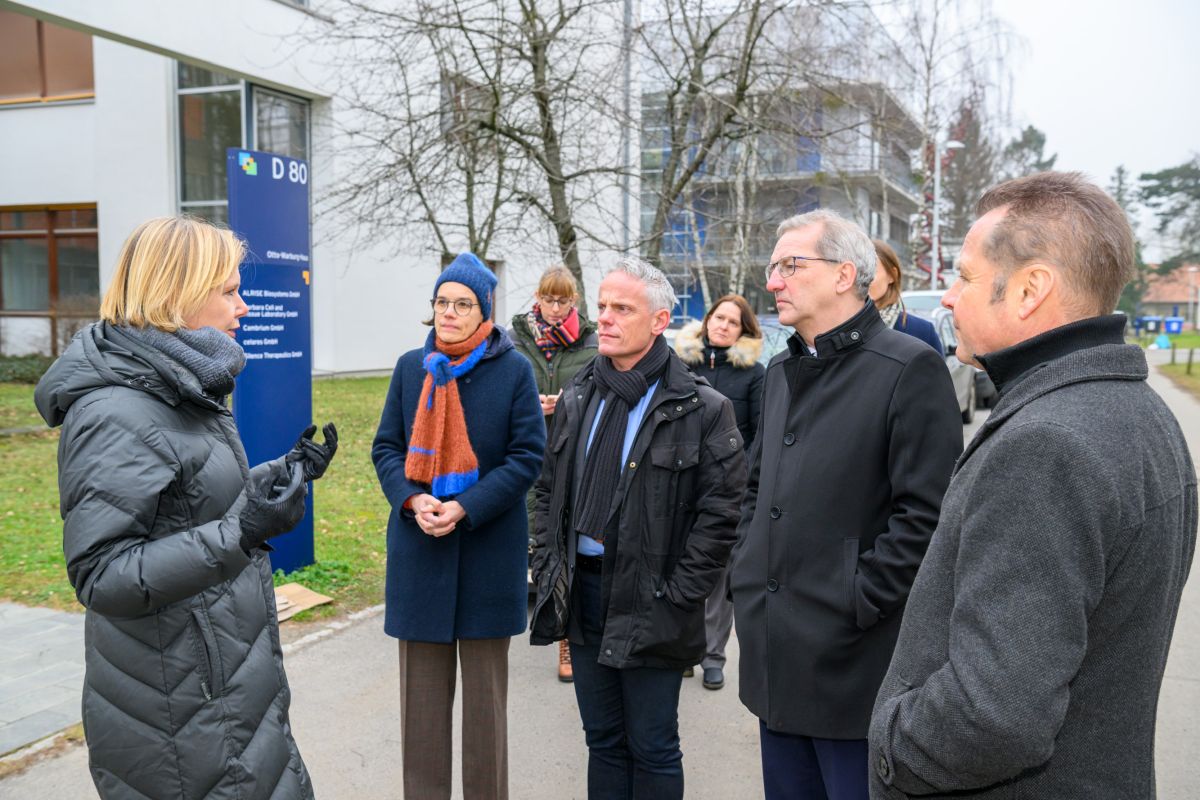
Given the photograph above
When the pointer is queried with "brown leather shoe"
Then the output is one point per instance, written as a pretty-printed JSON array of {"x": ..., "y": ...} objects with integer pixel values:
[{"x": 564, "y": 662}]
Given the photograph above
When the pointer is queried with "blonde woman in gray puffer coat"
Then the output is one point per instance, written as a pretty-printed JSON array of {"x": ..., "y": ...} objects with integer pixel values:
[{"x": 164, "y": 527}]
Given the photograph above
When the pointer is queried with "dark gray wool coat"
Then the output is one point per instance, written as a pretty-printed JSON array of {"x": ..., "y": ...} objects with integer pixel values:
[
  {"x": 1032, "y": 651},
  {"x": 185, "y": 694}
]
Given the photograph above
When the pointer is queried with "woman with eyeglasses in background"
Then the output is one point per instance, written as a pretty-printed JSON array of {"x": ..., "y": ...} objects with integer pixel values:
[
  {"x": 558, "y": 342},
  {"x": 459, "y": 444}
]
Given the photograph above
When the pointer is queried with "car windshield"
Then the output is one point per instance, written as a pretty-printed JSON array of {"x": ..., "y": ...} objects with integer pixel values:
[
  {"x": 922, "y": 303},
  {"x": 775, "y": 339}
]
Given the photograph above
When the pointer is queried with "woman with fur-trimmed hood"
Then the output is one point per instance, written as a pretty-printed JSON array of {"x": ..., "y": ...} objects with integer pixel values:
[{"x": 723, "y": 348}]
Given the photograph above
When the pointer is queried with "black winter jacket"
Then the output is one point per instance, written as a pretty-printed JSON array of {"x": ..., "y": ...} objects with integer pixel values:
[
  {"x": 184, "y": 694},
  {"x": 732, "y": 371},
  {"x": 677, "y": 510},
  {"x": 854, "y": 452}
]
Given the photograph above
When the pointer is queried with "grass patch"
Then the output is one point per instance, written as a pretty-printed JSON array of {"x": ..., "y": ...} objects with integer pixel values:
[
  {"x": 16, "y": 406},
  {"x": 32, "y": 570},
  {"x": 1178, "y": 375},
  {"x": 1182, "y": 341},
  {"x": 350, "y": 510}
]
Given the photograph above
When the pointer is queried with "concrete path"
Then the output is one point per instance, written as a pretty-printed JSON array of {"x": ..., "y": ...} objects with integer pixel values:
[
  {"x": 1177, "y": 737},
  {"x": 41, "y": 673},
  {"x": 345, "y": 713}
]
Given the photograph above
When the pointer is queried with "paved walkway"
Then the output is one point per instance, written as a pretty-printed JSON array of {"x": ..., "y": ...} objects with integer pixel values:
[
  {"x": 345, "y": 711},
  {"x": 41, "y": 673}
]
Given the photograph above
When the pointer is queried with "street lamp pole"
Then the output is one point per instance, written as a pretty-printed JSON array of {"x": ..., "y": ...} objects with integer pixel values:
[
  {"x": 935, "y": 239},
  {"x": 1192, "y": 301}
]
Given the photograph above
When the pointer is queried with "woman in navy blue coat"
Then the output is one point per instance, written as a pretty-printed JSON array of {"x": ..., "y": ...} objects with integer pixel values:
[
  {"x": 459, "y": 444},
  {"x": 885, "y": 292}
]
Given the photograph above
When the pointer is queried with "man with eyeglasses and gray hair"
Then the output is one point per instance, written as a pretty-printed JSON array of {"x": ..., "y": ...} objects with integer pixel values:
[{"x": 858, "y": 435}]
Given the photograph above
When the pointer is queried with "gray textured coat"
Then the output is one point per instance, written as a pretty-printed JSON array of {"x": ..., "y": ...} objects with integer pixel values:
[
  {"x": 185, "y": 694},
  {"x": 1032, "y": 651}
]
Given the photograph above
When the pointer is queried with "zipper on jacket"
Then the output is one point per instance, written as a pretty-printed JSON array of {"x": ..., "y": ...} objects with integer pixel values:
[
  {"x": 206, "y": 663},
  {"x": 712, "y": 359}
]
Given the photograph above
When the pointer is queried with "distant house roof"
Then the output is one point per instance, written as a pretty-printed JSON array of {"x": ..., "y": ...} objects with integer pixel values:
[{"x": 1172, "y": 287}]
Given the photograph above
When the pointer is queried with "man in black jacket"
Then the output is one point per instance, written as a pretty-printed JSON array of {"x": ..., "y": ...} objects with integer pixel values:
[
  {"x": 858, "y": 435},
  {"x": 636, "y": 512}
]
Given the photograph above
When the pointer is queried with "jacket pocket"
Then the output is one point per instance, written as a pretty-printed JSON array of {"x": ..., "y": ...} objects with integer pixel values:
[
  {"x": 849, "y": 570},
  {"x": 667, "y": 632},
  {"x": 671, "y": 463},
  {"x": 207, "y": 660}
]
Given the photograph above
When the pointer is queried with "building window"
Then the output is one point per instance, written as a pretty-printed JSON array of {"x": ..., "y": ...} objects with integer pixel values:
[
  {"x": 280, "y": 123},
  {"x": 43, "y": 63},
  {"x": 49, "y": 276},
  {"x": 213, "y": 117},
  {"x": 210, "y": 120}
]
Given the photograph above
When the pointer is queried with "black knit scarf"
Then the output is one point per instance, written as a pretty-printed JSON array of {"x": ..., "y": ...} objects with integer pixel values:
[{"x": 602, "y": 469}]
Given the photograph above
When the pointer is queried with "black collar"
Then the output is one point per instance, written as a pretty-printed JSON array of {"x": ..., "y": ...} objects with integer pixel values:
[
  {"x": 1009, "y": 366},
  {"x": 851, "y": 334}
]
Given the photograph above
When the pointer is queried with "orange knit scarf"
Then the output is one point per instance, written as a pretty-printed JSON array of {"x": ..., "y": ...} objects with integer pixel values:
[{"x": 440, "y": 454}]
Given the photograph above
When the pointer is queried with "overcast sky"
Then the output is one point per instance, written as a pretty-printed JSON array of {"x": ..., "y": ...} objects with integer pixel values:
[{"x": 1109, "y": 87}]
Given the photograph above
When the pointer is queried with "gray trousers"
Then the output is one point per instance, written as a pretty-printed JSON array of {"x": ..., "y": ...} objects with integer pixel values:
[{"x": 718, "y": 622}]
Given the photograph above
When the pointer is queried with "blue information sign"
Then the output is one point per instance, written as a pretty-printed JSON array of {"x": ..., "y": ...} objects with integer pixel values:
[{"x": 268, "y": 208}]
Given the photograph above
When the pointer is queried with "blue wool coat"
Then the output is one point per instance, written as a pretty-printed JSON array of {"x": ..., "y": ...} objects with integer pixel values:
[
  {"x": 471, "y": 583},
  {"x": 921, "y": 328}
]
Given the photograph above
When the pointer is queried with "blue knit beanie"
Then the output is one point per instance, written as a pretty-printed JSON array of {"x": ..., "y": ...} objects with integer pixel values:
[{"x": 468, "y": 270}]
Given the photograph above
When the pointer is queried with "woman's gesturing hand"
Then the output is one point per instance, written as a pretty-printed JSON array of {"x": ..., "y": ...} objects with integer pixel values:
[{"x": 314, "y": 457}]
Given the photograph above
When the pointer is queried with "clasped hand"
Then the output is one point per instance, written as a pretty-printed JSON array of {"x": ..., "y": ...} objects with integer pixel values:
[{"x": 435, "y": 517}]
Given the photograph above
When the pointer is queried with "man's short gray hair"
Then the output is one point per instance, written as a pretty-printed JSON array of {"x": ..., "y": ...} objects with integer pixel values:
[
  {"x": 658, "y": 288},
  {"x": 841, "y": 240}
]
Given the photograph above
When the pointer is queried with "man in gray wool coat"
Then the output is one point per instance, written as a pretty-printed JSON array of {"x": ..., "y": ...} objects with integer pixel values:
[{"x": 1033, "y": 647}]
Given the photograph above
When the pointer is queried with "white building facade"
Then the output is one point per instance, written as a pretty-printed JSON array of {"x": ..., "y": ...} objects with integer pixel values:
[{"x": 113, "y": 113}]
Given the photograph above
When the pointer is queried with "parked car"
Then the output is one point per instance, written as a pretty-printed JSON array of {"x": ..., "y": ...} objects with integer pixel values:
[
  {"x": 963, "y": 375},
  {"x": 923, "y": 301},
  {"x": 927, "y": 303},
  {"x": 775, "y": 338}
]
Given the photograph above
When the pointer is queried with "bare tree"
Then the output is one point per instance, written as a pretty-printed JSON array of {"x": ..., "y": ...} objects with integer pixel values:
[
  {"x": 486, "y": 122},
  {"x": 702, "y": 65},
  {"x": 956, "y": 47}
]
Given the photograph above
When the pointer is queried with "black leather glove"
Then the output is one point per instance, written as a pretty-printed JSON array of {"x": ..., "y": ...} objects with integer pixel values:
[
  {"x": 314, "y": 457},
  {"x": 268, "y": 512}
]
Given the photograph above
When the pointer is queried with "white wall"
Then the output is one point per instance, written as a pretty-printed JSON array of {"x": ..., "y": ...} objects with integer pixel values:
[
  {"x": 46, "y": 154},
  {"x": 133, "y": 161}
]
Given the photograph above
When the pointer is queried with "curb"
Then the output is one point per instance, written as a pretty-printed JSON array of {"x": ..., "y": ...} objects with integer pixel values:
[{"x": 332, "y": 628}]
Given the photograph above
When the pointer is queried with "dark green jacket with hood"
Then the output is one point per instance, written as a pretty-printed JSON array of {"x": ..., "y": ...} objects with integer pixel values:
[
  {"x": 555, "y": 373},
  {"x": 185, "y": 694}
]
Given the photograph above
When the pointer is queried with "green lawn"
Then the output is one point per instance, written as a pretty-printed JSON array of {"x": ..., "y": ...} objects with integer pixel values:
[
  {"x": 1178, "y": 373},
  {"x": 1182, "y": 341},
  {"x": 351, "y": 512},
  {"x": 16, "y": 406}
]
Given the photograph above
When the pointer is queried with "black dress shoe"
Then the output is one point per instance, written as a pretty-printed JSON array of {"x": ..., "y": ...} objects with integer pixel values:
[{"x": 714, "y": 678}]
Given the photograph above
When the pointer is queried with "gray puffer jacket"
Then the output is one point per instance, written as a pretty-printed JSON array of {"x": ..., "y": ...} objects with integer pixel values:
[{"x": 185, "y": 694}]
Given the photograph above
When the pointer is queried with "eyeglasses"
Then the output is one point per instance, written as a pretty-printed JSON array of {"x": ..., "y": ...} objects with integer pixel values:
[
  {"x": 462, "y": 306},
  {"x": 788, "y": 264},
  {"x": 556, "y": 302}
]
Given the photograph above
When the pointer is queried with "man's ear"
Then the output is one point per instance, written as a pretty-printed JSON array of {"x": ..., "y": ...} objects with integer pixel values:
[
  {"x": 847, "y": 273},
  {"x": 660, "y": 321},
  {"x": 1035, "y": 283}
]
